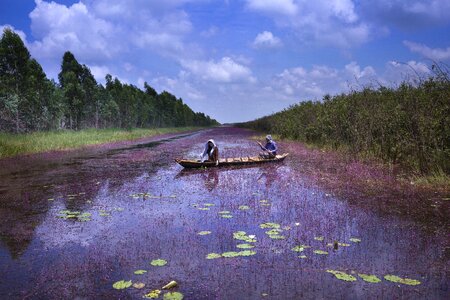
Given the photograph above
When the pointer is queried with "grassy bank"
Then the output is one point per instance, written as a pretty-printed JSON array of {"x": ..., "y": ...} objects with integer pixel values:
[
  {"x": 36, "y": 142},
  {"x": 407, "y": 125}
]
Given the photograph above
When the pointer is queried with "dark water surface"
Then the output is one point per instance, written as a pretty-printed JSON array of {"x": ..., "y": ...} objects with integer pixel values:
[{"x": 143, "y": 206}]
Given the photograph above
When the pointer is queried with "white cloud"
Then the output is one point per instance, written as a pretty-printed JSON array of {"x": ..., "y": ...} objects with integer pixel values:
[
  {"x": 226, "y": 70},
  {"x": 99, "y": 72},
  {"x": 435, "y": 54},
  {"x": 267, "y": 40},
  {"x": 282, "y": 7},
  {"x": 324, "y": 22}
]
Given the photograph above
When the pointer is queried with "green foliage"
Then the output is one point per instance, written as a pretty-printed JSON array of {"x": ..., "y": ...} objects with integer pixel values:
[
  {"x": 31, "y": 102},
  {"x": 407, "y": 125}
]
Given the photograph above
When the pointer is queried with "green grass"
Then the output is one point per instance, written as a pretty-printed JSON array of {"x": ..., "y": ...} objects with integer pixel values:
[{"x": 17, "y": 144}]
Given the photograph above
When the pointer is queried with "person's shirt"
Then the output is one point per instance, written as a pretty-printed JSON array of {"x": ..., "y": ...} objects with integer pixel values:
[{"x": 272, "y": 147}]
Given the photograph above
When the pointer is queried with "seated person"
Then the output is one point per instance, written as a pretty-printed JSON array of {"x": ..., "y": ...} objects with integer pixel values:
[
  {"x": 211, "y": 152},
  {"x": 270, "y": 149}
]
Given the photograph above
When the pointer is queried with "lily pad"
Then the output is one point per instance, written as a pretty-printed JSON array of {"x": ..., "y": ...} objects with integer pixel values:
[
  {"x": 397, "y": 279},
  {"x": 139, "y": 285},
  {"x": 355, "y": 240},
  {"x": 213, "y": 256},
  {"x": 230, "y": 254},
  {"x": 342, "y": 275},
  {"x": 277, "y": 237},
  {"x": 244, "y": 207},
  {"x": 140, "y": 272},
  {"x": 158, "y": 262},
  {"x": 269, "y": 225},
  {"x": 227, "y": 216},
  {"x": 274, "y": 231},
  {"x": 320, "y": 252},
  {"x": 247, "y": 253},
  {"x": 122, "y": 284},
  {"x": 224, "y": 212},
  {"x": 208, "y": 204},
  {"x": 318, "y": 238},
  {"x": 173, "y": 296},
  {"x": 242, "y": 236},
  {"x": 152, "y": 294},
  {"x": 369, "y": 278},
  {"x": 203, "y": 208},
  {"x": 204, "y": 232},
  {"x": 300, "y": 248},
  {"x": 245, "y": 246},
  {"x": 264, "y": 201},
  {"x": 302, "y": 256}
]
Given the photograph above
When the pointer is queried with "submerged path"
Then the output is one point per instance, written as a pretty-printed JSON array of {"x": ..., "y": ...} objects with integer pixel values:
[{"x": 314, "y": 227}]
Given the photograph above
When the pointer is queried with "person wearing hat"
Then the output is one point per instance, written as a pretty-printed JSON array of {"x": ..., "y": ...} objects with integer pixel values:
[
  {"x": 210, "y": 153},
  {"x": 270, "y": 149}
]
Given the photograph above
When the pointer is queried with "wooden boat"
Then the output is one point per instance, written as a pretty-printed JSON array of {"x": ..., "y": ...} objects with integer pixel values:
[{"x": 186, "y": 163}]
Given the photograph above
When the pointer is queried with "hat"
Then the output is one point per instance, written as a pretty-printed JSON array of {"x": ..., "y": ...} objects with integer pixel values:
[{"x": 268, "y": 137}]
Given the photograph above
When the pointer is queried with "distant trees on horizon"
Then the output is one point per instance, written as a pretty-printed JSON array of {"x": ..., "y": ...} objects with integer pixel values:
[{"x": 29, "y": 101}]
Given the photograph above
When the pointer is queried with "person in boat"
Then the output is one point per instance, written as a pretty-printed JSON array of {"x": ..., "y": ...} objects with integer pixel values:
[
  {"x": 211, "y": 152},
  {"x": 270, "y": 149}
]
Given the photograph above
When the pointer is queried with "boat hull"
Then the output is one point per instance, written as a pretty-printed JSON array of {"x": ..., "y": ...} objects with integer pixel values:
[{"x": 192, "y": 164}]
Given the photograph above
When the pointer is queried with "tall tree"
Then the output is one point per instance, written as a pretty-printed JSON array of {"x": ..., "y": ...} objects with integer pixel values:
[{"x": 14, "y": 59}]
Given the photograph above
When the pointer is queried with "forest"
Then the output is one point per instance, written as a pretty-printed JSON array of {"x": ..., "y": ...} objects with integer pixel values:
[
  {"x": 29, "y": 101},
  {"x": 407, "y": 125}
]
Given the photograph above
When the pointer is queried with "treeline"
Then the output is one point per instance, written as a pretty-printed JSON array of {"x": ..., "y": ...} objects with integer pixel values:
[
  {"x": 407, "y": 125},
  {"x": 29, "y": 101}
]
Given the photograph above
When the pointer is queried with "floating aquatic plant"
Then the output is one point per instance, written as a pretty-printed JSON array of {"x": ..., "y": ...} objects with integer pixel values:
[
  {"x": 242, "y": 235},
  {"x": 342, "y": 275},
  {"x": 247, "y": 253},
  {"x": 208, "y": 204},
  {"x": 204, "y": 232},
  {"x": 153, "y": 294},
  {"x": 319, "y": 238},
  {"x": 213, "y": 256},
  {"x": 139, "y": 285},
  {"x": 158, "y": 262},
  {"x": 369, "y": 278},
  {"x": 355, "y": 240},
  {"x": 224, "y": 212},
  {"x": 320, "y": 252},
  {"x": 140, "y": 272},
  {"x": 230, "y": 254},
  {"x": 203, "y": 208},
  {"x": 302, "y": 256},
  {"x": 173, "y": 296},
  {"x": 300, "y": 248},
  {"x": 122, "y": 284},
  {"x": 227, "y": 216},
  {"x": 397, "y": 279},
  {"x": 244, "y": 207},
  {"x": 269, "y": 225},
  {"x": 245, "y": 246}
]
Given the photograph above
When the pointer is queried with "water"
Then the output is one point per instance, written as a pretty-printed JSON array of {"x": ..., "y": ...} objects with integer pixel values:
[{"x": 144, "y": 206}]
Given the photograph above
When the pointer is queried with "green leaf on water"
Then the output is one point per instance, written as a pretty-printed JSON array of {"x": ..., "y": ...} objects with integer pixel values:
[
  {"x": 158, "y": 262},
  {"x": 204, "y": 232},
  {"x": 245, "y": 246},
  {"x": 213, "y": 256},
  {"x": 397, "y": 279},
  {"x": 152, "y": 294},
  {"x": 102, "y": 214},
  {"x": 208, "y": 204},
  {"x": 355, "y": 240},
  {"x": 246, "y": 253},
  {"x": 277, "y": 237},
  {"x": 203, "y": 208},
  {"x": 224, "y": 212},
  {"x": 274, "y": 231},
  {"x": 369, "y": 278},
  {"x": 230, "y": 254},
  {"x": 300, "y": 248},
  {"x": 318, "y": 238},
  {"x": 269, "y": 225},
  {"x": 122, "y": 284},
  {"x": 264, "y": 201},
  {"x": 242, "y": 236},
  {"x": 173, "y": 296},
  {"x": 139, "y": 285},
  {"x": 342, "y": 275},
  {"x": 244, "y": 207},
  {"x": 227, "y": 216},
  {"x": 266, "y": 204},
  {"x": 302, "y": 256},
  {"x": 140, "y": 272},
  {"x": 321, "y": 252}
]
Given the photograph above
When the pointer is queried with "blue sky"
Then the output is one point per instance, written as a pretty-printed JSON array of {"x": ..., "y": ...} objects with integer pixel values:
[{"x": 237, "y": 60}]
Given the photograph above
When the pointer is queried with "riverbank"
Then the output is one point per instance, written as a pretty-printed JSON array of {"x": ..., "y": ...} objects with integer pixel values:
[{"x": 12, "y": 145}]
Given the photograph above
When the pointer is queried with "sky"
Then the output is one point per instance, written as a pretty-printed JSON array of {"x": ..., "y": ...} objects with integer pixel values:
[{"x": 237, "y": 60}]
